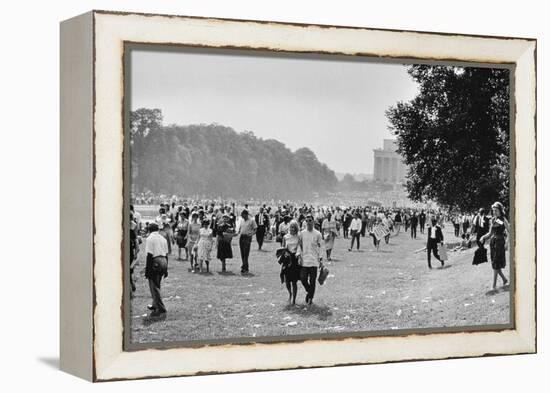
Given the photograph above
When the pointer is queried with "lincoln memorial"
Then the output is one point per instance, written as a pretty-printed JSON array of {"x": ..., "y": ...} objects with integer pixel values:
[{"x": 388, "y": 165}]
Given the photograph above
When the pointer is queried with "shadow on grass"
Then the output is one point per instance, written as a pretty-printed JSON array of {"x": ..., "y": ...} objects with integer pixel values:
[
  {"x": 322, "y": 312},
  {"x": 504, "y": 288},
  {"x": 149, "y": 320},
  {"x": 227, "y": 273}
]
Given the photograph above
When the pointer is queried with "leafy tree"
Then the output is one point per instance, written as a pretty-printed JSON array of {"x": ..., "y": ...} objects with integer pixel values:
[
  {"x": 143, "y": 122},
  {"x": 454, "y": 135}
]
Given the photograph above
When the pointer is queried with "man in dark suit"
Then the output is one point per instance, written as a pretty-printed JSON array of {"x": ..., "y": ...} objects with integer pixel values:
[
  {"x": 481, "y": 225},
  {"x": 435, "y": 237},
  {"x": 422, "y": 221},
  {"x": 262, "y": 222},
  {"x": 414, "y": 224}
]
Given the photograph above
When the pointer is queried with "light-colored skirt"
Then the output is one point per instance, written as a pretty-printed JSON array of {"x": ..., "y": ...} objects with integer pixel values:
[
  {"x": 329, "y": 241},
  {"x": 204, "y": 249}
]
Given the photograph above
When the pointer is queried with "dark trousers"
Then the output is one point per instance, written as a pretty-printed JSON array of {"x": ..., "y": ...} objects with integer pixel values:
[
  {"x": 346, "y": 231},
  {"x": 260, "y": 233},
  {"x": 413, "y": 232},
  {"x": 355, "y": 235},
  {"x": 308, "y": 275},
  {"x": 154, "y": 287},
  {"x": 363, "y": 228},
  {"x": 457, "y": 229},
  {"x": 244, "y": 245},
  {"x": 422, "y": 223},
  {"x": 432, "y": 247}
]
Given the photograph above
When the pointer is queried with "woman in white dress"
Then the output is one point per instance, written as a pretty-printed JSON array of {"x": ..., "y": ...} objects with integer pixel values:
[
  {"x": 192, "y": 238},
  {"x": 205, "y": 245},
  {"x": 329, "y": 233}
]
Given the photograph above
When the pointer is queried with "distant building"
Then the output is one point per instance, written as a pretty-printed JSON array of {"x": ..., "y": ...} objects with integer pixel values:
[{"x": 388, "y": 164}]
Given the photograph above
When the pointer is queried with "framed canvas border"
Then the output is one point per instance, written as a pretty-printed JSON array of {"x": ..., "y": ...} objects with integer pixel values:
[{"x": 112, "y": 31}]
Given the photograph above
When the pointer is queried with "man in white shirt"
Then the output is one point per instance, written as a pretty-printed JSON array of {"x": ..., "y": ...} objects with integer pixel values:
[
  {"x": 156, "y": 250},
  {"x": 247, "y": 229},
  {"x": 310, "y": 254},
  {"x": 355, "y": 230}
]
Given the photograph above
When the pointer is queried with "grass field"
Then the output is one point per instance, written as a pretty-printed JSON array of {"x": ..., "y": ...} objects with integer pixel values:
[{"x": 367, "y": 290}]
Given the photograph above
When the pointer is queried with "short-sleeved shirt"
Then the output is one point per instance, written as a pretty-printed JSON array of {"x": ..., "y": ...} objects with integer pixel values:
[
  {"x": 292, "y": 242},
  {"x": 156, "y": 245},
  {"x": 247, "y": 227},
  {"x": 312, "y": 247}
]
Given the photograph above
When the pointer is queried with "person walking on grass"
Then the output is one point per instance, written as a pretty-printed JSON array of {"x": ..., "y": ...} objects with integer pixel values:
[
  {"x": 414, "y": 225},
  {"x": 329, "y": 233},
  {"x": 181, "y": 235},
  {"x": 500, "y": 229},
  {"x": 204, "y": 246},
  {"x": 435, "y": 238},
  {"x": 481, "y": 225},
  {"x": 355, "y": 231},
  {"x": 247, "y": 229},
  {"x": 262, "y": 223},
  {"x": 292, "y": 269},
  {"x": 225, "y": 232},
  {"x": 193, "y": 229},
  {"x": 310, "y": 253},
  {"x": 156, "y": 268},
  {"x": 422, "y": 221}
]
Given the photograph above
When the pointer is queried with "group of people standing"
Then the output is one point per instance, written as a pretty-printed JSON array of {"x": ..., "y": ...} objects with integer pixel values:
[{"x": 306, "y": 235}]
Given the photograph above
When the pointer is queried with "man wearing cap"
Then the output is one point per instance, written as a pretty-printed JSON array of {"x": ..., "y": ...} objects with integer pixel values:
[
  {"x": 310, "y": 254},
  {"x": 247, "y": 229},
  {"x": 156, "y": 249}
]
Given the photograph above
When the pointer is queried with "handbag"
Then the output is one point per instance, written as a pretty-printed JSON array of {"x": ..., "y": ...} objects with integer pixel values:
[
  {"x": 323, "y": 274},
  {"x": 443, "y": 252},
  {"x": 480, "y": 255}
]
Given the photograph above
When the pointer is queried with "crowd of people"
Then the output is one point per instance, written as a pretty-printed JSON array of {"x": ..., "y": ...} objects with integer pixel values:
[{"x": 306, "y": 235}]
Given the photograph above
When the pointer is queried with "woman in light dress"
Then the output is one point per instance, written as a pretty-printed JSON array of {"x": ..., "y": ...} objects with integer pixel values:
[
  {"x": 329, "y": 232},
  {"x": 192, "y": 237},
  {"x": 205, "y": 245}
]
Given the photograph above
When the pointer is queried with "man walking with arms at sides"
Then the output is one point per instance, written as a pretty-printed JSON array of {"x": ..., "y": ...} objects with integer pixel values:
[
  {"x": 247, "y": 229},
  {"x": 355, "y": 230},
  {"x": 414, "y": 224},
  {"x": 262, "y": 223},
  {"x": 422, "y": 220},
  {"x": 435, "y": 237},
  {"x": 156, "y": 249},
  {"x": 310, "y": 255}
]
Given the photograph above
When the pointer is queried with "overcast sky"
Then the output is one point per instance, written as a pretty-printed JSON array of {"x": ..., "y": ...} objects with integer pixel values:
[{"x": 335, "y": 107}]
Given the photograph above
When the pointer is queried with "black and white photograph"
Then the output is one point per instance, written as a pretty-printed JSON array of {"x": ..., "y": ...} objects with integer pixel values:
[{"x": 280, "y": 195}]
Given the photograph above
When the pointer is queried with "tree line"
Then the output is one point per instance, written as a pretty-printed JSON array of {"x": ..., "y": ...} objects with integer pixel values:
[{"x": 214, "y": 160}]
